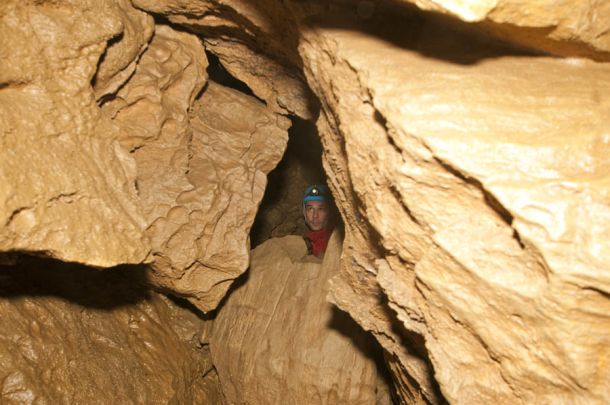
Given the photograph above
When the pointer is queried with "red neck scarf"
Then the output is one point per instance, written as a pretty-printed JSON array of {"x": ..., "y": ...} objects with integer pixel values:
[{"x": 319, "y": 240}]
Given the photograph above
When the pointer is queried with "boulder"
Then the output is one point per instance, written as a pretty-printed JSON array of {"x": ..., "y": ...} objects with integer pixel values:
[
  {"x": 276, "y": 340},
  {"x": 66, "y": 186}
]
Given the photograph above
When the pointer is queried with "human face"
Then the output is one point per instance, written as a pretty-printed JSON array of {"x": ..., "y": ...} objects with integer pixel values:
[{"x": 316, "y": 215}]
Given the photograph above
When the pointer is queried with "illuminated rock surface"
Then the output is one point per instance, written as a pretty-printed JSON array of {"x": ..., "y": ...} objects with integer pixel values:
[
  {"x": 486, "y": 184},
  {"x": 471, "y": 175},
  {"x": 564, "y": 27},
  {"x": 66, "y": 186},
  {"x": 201, "y": 176},
  {"x": 278, "y": 328}
]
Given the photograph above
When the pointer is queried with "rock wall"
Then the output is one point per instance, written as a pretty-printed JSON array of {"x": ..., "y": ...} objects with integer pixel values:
[
  {"x": 565, "y": 27},
  {"x": 466, "y": 148},
  {"x": 102, "y": 147},
  {"x": 466, "y": 170},
  {"x": 278, "y": 328},
  {"x": 66, "y": 186},
  {"x": 200, "y": 166},
  {"x": 477, "y": 178},
  {"x": 71, "y": 334}
]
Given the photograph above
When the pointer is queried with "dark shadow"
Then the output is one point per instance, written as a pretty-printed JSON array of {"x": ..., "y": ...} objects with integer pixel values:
[
  {"x": 101, "y": 289},
  {"x": 365, "y": 343},
  {"x": 185, "y": 304},
  {"x": 432, "y": 35},
  {"x": 415, "y": 345},
  {"x": 300, "y": 166},
  {"x": 114, "y": 40},
  {"x": 219, "y": 74},
  {"x": 404, "y": 25}
]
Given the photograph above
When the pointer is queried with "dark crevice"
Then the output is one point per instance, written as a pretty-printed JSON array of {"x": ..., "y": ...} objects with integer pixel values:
[
  {"x": 236, "y": 285},
  {"x": 220, "y": 75},
  {"x": 405, "y": 25},
  {"x": 280, "y": 211},
  {"x": 364, "y": 342},
  {"x": 116, "y": 39},
  {"x": 381, "y": 120},
  {"x": 185, "y": 304},
  {"x": 415, "y": 345},
  {"x": 604, "y": 294}
]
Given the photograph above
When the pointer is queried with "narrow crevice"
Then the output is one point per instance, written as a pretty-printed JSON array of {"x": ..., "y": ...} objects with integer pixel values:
[
  {"x": 114, "y": 40},
  {"x": 415, "y": 345},
  {"x": 280, "y": 213},
  {"x": 220, "y": 75}
]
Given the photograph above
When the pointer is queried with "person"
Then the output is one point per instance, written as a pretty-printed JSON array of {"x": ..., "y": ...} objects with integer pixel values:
[{"x": 316, "y": 211}]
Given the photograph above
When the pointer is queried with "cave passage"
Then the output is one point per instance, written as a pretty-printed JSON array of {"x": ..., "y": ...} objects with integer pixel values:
[
  {"x": 280, "y": 211},
  {"x": 280, "y": 215}
]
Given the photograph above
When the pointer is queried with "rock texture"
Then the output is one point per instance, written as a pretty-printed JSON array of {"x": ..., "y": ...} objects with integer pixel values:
[
  {"x": 119, "y": 60},
  {"x": 66, "y": 186},
  {"x": 565, "y": 27},
  {"x": 256, "y": 42},
  {"x": 277, "y": 341},
  {"x": 472, "y": 177},
  {"x": 70, "y": 188},
  {"x": 200, "y": 174},
  {"x": 71, "y": 334},
  {"x": 486, "y": 185}
]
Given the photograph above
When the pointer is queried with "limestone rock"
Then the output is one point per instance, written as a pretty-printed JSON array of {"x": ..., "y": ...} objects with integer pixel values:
[
  {"x": 119, "y": 60},
  {"x": 72, "y": 334},
  {"x": 152, "y": 106},
  {"x": 565, "y": 27},
  {"x": 487, "y": 187},
  {"x": 236, "y": 142},
  {"x": 281, "y": 87},
  {"x": 256, "y": 43},
  {"x": 472, "y": 177},
  {"x": 66, "y": 186},
  {"x": 200, "y": 176},
  {"x": 277, "y": 341}
]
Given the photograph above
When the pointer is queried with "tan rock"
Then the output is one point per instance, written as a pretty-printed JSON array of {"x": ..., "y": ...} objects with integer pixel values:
[
  {"x": 71, "y": 334},
  {"x": 565, "y": 27},
  {"x": 236, "y": 142},
  {"x": 487, "y": 186},
  {"x": 282, "y": 88},
  {"x": 472, "y": 178},
  {"x": 200, "y": 177},
  {"x": 276, "y": 340},
  {"x": 256, "y": 43},
  {"x": 119, "y": 60},
  {"x": 66, "y": 186},
  {"x": 153, "y": 105}
]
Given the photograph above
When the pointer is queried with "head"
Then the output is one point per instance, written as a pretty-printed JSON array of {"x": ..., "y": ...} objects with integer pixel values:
[{"x": 316, "y": 208}]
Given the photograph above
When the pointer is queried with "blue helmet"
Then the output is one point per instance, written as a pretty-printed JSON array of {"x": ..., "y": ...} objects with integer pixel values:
[{"x": 316, "y": 192}]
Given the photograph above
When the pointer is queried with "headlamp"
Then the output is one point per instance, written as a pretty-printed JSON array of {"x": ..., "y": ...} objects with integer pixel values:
[{"x": 315, "y": 193}]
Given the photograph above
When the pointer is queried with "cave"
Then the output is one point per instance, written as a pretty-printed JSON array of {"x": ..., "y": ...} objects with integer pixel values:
[{"x": 153, "y": 159}]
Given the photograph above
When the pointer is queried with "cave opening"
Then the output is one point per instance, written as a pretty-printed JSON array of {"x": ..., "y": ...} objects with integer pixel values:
[
  {"x": 280, "y": 215},
  {"x": 280, "y": 211},
  {"x": 466, "y": 144}
]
